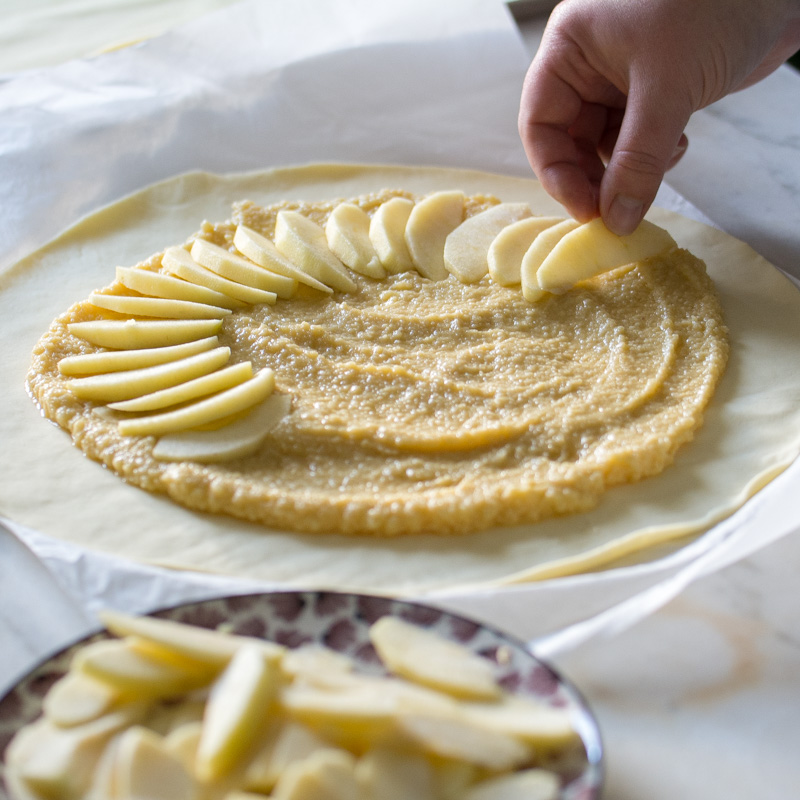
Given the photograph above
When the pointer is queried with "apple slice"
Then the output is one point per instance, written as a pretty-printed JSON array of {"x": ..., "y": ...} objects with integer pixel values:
[
  {"x": 144, "y": 768},
  {"x": 235, "y": 440},
  {"x": 231, "y": 401},
  {"x": 132, "y": 334},
  {"x": 510, "y": 245},
  {"x": 424, "y": 657},
  {"x": 304, "y": 243},
  {"x": 458, "y": 738},
  {"x": 156, "y": 284},
  {"x": 240, "y": 270},
  {"x": 387, "y": 232},
  {"x": 132, "y": 669},
  {"x": 429, "y": 224},
  {"x": 289, "y": 744},
  {"x": 592, "y": 249},
  {"x": 466, "y": 248},
  {"x": 77, "y": 698},
  {"x": 178, "y": 261},
  {"x": 263, "y": 252},
  {"x": 328, "y": 774},
  {"x": 394, "y": 774},
  {"x": 545, "y": 727},
  {"x": 115, "y": 386},
  {"x": 118, "y": 360},
  {"x": 527, "y": 784},
  {"x": 536, "y": 254},
  {"x": 347, "y": 232},
  {"x": 206, "y": 645},
  {"x": 239, "y": 703},
  {"x": 56, "y": 763},
  {"x": 156, "y": 307},
  {"x": 189, "y": 390}
]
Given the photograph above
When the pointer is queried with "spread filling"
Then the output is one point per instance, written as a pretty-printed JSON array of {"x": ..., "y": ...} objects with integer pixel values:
[{"x": 432, "y": 396}]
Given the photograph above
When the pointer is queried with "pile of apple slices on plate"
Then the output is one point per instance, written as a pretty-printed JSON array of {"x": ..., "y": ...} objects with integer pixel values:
[
  {"x": 162, "y": 364},
  {"x": 168, "y": 710}
]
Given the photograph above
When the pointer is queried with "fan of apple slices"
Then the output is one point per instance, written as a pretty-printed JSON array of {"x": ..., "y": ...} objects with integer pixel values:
[{"x": 161, "y": 366}]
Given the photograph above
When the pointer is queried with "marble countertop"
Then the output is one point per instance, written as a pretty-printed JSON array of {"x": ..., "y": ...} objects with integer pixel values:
[{"x": 701, "y": 699}]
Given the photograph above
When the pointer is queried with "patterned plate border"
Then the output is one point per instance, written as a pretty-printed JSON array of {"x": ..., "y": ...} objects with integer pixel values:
[{"x": 341, "y": 621}]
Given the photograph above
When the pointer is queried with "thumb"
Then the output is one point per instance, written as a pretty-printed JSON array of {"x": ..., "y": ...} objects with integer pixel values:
[{"x": 650, "y": 137}]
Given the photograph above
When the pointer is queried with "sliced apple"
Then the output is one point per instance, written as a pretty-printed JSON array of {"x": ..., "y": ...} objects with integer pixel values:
[
  {"x": 527, "y": 784},
  {"x": 78, "y": 698},
  {"x": 183, "y": 742},
  {"x": 592, "y": 249},
  {"x": 178, "y": 261},
  {"x": 118, "y": 360},
  {"x": 314, "y": 663},
  {"x": 304, "y": 243},
  {"x": 466, "y": 248},
  {"x": 115, "y": 386},
  {"x": 240, "y": 701},
  {"x": 189, "y": 390},
  {"x": 347, "y": 232},
  {"x": 458, "y": 738},
  {"x": 156, "y": 307},
  {"x": 262, "y": 251},
  {"x": 387, "y": 232},
  {"x": 241, "y": 270},
  {"x": 231, "y": 401},
  {"x": 393, "y": 774},
  {"x": 429, "y": 224},
  {"x": 132, "y": 669},
  {"x": 206, "y": 645},
  {"x": 290, "y": 743},
  {"x": 545, "y": 727},
  {"x": 131, "y": 334},
  {"x": 536, "y": 254},
  {"x": 57, "y": 763},
  {"x": 235, "y": 440},
  {"x": 329, "y": 774},
  {"x": 424, "y": 657},
  {"x": 144, "y": 768},
  {"x": 156, "y": 284},
  {"x": 510, "y": 245}
]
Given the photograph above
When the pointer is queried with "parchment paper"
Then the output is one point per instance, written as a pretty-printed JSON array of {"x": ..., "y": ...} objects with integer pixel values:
[{"x": 258, "y": 85}]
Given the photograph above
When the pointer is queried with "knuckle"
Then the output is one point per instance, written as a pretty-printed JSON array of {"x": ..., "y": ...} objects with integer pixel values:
[{"x": 639, "y": 162}]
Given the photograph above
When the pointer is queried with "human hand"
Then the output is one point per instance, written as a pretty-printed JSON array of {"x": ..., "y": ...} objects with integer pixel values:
[{"x": 611, "y": 89}]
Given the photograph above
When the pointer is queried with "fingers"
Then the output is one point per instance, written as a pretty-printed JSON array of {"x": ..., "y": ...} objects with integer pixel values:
[{"x": 650, "y": 141}]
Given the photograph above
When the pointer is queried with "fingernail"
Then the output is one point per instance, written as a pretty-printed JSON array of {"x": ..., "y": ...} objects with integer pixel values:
[{"x": 624, "y": 215}]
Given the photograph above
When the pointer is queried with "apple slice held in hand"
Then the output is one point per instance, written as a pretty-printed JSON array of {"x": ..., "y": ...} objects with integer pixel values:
[
  {"x": 236, "y": 440},
  {"x": 592, "y": 249},
  {"x": 430, "y": 222},
  {"x": 466, "y": 248},
  {"x": 347, "y": 232}
]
